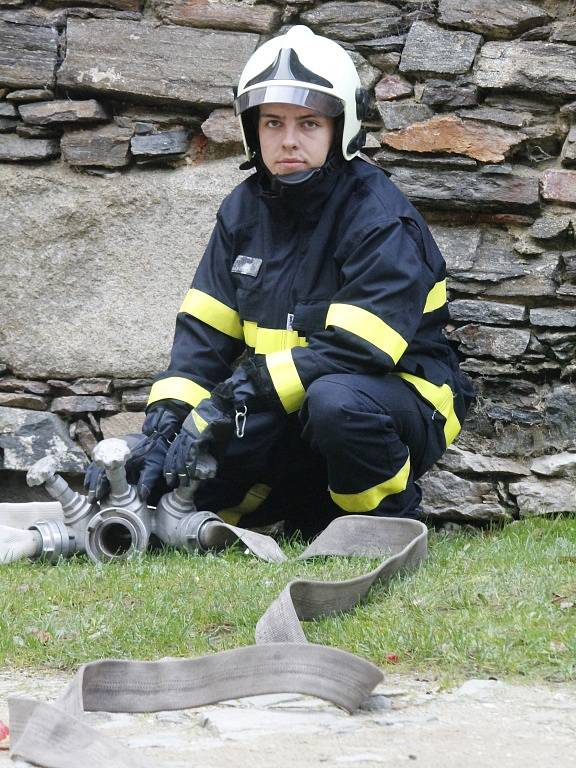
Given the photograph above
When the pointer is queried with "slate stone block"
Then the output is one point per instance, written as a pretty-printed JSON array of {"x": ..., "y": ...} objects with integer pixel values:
[
  {"x": 381, "y": 45},
  {"x": 159, "y": 144},
  {"x": 9, "y": 384},
  {"x": 557, "y": 465},
  {"x": 191, "y": 66},
  {"x": 27, "y": 436},
  {"x": 135, "y": 399},
  {"x": 483, "y": 341},
  {"x": 8, "y": 124},
  {"x": 7, "y": 109},
  {"x": 549, "y": 227},
  {"x": 489, "y": 312},
  {"x": 393, "y": 87},
  {"x": 534, "y": 67},
  {"x": 23, "y": 400},
  {"x": 457, "y": 460},
  {"x": 482, "y": 261},
  {"x": 501, "y": 19},
  {"x": 27, "y": 95},
  {"x": 553, "y": 317},
  {"x": 444, "y": 93},
  {"x": 448, "y": 133},
  {"x": 449, "y": 497},
  {"x": 564, "y": 31},
  {"x": 134, "y": 6},
  {"x": 65, "y": 111},
  {"x": 402, "y": 114},
  {"x": 368, "y": 74},
  {"x": 116, "y": 234},
  {"x": 537, "y": 497},
  {"x": 387, "y": 63},
  {"x": 222, "y": 127},
  {"x": 28, "y": 55},
  {"x": 222, "y": 14},
  {"x": 388, "y": 157},
  {"x": 359, "y": 20},
  {"x": 568, "y": 156},
  {"x": 506, "y": 118},
  {"x": 77, "y": 404},
  {"x": 14, "y": 148},
  {"x": 121, "y": 424},
  {"x": 106, "y": 147},
  {"x": 454, "y": 189},
  {"x": 38, "y": 131},
  {"x": 559, "y": 186},
  {"x": 84, "y": 386},
  {"x": 431, "y": 49}
]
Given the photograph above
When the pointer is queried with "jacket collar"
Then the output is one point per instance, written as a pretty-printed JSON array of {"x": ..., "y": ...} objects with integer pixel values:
[{"x": 304, "y": 200}]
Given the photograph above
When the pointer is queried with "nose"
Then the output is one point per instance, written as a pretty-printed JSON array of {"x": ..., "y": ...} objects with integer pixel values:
[{"x": 289, "y": 138}]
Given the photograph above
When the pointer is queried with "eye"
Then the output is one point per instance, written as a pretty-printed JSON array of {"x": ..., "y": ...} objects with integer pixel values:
[
  {"x": 271, "y": 123},
  {"x": 311, "y": 124}
]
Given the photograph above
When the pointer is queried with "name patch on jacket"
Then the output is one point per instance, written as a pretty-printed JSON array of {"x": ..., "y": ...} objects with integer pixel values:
[{"x": 246, "y": 265}]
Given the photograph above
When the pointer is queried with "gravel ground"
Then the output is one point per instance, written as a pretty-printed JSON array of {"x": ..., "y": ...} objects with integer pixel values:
[{"x": 480, "y": 724}]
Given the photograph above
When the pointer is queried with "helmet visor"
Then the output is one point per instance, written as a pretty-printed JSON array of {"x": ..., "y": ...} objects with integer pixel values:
[{"x": 320, "y": 102}]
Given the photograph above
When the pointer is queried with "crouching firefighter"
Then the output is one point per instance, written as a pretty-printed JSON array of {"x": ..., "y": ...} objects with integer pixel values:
[{"x": 326, "y": 284}]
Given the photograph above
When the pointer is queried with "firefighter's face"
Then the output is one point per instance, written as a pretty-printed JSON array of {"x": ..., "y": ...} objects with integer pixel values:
[{"x": 293, "y": 138}]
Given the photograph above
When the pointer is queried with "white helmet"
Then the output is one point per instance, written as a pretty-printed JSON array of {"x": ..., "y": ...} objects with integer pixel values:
[{"x": 305, "y": 69}]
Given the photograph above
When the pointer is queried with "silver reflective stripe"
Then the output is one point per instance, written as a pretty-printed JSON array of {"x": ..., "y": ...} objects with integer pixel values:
[{"x": 288, "y": 94}]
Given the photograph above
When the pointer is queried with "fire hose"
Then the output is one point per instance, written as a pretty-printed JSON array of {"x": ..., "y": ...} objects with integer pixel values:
[{"x": 57, "y": 735}]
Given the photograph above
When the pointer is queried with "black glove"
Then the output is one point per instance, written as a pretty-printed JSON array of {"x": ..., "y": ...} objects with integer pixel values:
[
  {"x": 139, "y": 467},
  {"x": 205, "y": 431},
  {"x": 147, "y": 452},
  {"x": 209, "y": 427},
  {"x": 165, "y": 418}
]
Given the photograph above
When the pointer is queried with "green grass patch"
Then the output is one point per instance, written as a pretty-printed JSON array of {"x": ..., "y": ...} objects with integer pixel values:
[{"x": 499, "y": 603}]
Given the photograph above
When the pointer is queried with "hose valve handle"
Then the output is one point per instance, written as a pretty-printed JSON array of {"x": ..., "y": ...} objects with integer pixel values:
[{"x": 111, "y": 455}]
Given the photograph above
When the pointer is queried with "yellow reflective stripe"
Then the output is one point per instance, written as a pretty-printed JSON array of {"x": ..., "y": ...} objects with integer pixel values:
[
  {"x": 436, "y": 298},
  {"x": 442, "y": 398},
  {"x": 285, "y": 379},
  {"x": 264, "y": 341},
  {"x": 368, "y": 500},
  {"x": 368, "y": 327},
  {"x": 177, "y": 388},
  {"x": 250, "y": 333},
  {"x": 201, "y": 423},
  {"x": 253, "y": 499},
  {"x": 212, "y": 312}
]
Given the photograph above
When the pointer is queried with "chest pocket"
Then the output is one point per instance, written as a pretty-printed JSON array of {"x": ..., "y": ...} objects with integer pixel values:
[
  {"x": 247, "y": 274},
  {"x": 310, "y": 317}
]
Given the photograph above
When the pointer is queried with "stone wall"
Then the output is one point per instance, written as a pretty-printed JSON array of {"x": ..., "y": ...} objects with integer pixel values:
[{"x": 117, "y": 142}]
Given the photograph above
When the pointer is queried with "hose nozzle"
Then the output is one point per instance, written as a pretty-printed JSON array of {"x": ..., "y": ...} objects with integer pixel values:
[
  {"x": 59, "y": 538},
  {"x": 122, "y": 526}
]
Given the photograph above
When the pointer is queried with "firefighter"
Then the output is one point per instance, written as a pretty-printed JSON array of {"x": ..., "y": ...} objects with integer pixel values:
[{"x": 309, "y": 354}]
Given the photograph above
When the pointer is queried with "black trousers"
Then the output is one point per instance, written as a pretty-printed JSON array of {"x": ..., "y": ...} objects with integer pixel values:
[{"x": 358, "y": 445}]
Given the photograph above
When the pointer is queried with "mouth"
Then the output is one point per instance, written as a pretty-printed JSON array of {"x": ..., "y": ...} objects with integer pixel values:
[{"x": 290, "y": 162}]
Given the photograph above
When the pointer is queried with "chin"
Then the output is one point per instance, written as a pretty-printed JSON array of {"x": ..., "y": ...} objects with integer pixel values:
[{"x": 282, "y": 170}]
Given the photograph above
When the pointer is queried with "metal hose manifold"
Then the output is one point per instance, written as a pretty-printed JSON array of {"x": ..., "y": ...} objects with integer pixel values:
[
  {"x": 59, "y": 538},
  {"x": 177, "y": 521},
  {"x": 123, "y": 524}
]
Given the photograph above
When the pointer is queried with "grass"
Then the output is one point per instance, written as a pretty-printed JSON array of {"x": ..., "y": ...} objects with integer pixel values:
[{"x": 496, "y": 603}]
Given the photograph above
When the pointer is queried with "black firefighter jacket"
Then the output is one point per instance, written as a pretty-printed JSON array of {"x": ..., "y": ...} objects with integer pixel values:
[{"x": 343, "y": 277}]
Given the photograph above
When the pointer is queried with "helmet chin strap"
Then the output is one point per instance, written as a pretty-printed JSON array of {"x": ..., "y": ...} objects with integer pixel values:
[
  {"x": 290, "y": 183},
  {"x": 294, "y": 179}
]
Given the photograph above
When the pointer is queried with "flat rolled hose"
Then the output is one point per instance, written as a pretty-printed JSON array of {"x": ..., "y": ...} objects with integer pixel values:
[{"x": 57, "y": 735}]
